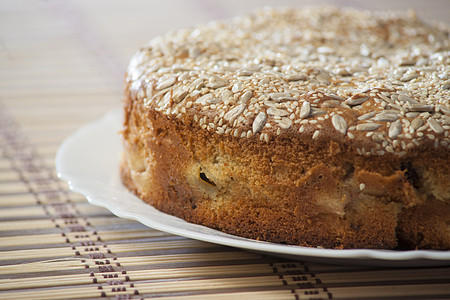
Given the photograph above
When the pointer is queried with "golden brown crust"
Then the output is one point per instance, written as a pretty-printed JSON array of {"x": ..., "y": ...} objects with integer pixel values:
[{"x": 344, "y": 184}]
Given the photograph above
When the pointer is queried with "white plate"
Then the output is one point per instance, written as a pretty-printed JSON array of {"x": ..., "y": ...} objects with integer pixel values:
[{"x": 88, "y": 160}]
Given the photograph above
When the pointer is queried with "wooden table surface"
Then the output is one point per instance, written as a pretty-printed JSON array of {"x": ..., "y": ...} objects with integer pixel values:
[{"x": 61, "y": 66}]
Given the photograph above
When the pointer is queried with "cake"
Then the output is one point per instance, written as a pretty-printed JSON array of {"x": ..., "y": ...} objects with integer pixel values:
[{"x": 318, "y": 127}]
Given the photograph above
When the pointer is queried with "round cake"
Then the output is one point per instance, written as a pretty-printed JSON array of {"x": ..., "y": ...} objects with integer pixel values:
[{"x": 319, "y": 127}]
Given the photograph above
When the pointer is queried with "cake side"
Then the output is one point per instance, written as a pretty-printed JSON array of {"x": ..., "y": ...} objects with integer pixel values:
[
  {"x": 336, "y": 137},
  {"x": 286, "y": 191}
]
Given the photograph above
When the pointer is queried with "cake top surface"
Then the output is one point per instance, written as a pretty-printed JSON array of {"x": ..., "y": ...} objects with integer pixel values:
[{"x": 381, "y": 78}]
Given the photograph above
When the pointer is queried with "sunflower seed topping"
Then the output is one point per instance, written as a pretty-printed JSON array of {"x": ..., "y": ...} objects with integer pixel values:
[
  {"x": 366, "y": 116},
  {"x": 215, "y": 83},
  {"x": 260, "y": 84},
  {"x": 277, "y": 112},
  {"x": 386, "y": 117},
  {"x": 395, "y": 129},
  {"x": 296, "y": 77},
  {"x": 285, "y": 123},
  {"x": 435, "y": 126},
  {"x": 166, "y": 83},
  {"x": 356, "y": 100},
  {"x": 179, "y": 96},
  {"x": 421, "y": 107},
  {"x": 259, "y": 122},
  {"x": 245, "y": 97},
  {"x": 235, "y": 112},
  {"x": 339, "y": 124},
  {"x": 408, "y": 77},
  {"x": 305, "y": 110},
  {"x": 279, "y": 97},
  {"x": 368, "y": 126}
]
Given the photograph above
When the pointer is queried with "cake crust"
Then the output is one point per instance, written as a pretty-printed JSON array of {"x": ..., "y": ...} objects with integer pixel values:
[{"x": 313, "y": 145}]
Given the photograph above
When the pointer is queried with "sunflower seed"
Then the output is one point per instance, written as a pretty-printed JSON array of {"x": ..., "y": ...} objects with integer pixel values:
[
  {"x": 179, "y": 96},
  {"x": 227, "y": 96},
  {"x": 409, "y": 77},
  {"x": 403, "y": 97},
  {"x": 323, "y": 77},
  {"x": 385, "y": 98},
  {"x": 420, "y": 107},
  {"x": 179, "y": 68},
  {"x": 435, "y": 126},
  {"x": 215, "y": 83},
  {"x": 356, "y": 100},
  {"x": 443, "y": 109},
  {"x": 296, "y": 77},
  {"x": 194, "y": 52},
  {"x": 237, "y": 87},
  {"x": 335, "y": 97},
  {"x": 149, "y": 91},
  {"x": 244, "y": 72},
  {"x": 166, "y": 83},
  {"x": 368, "y": 126},
  {"x": 196, "y": 84},
  {"x": 446, "y": 86},
  {"x": 280, "y": 97},
  {"x": 386, "y": 117},
  {"x": 325, "y": 50},
  {"x": 285, "y": 123},
  {"x": 330, "y": 103},
  {"x": 316, "y": 112},
  {"x": 366, "y": 116},
  {"x": 259, "y": 122},
  {"x": 183, "y": 76},
  {"x": 245, "y": 97},
  {"x": 407, "y": 61},
  {"x": 416, "y": 123},
  {"x": 339, "y": 123},
  {"x": 305, "y": 110},
  {"x": 395, "y": 129},
  {"x": 235, "y": 112},
  {"x": 343, "y": 72},
  {"x": 277, "y": 112},
  {"x": 207, "y": 99}
]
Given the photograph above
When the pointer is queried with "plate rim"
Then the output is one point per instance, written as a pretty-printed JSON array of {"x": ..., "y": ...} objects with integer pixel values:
[{"x": 113, "y": 117}]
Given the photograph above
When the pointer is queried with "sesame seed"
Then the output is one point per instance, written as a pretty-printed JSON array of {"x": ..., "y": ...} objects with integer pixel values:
[{"x": 316, "y": 134}]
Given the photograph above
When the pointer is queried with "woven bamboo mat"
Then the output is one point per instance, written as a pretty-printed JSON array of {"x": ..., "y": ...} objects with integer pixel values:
[{"x": 61, "y": 65}]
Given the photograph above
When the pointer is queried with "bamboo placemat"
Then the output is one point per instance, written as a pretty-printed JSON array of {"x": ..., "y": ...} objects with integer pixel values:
[{"x": 61, "y": 65}]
